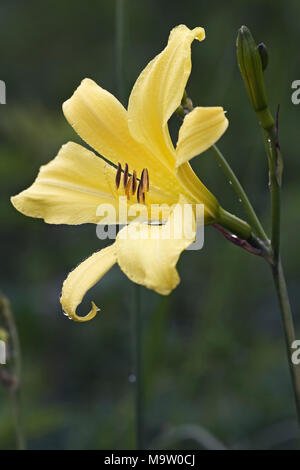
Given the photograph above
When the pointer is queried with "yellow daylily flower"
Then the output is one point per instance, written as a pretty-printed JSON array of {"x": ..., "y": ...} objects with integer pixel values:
[{"x": 145, "y": 168}]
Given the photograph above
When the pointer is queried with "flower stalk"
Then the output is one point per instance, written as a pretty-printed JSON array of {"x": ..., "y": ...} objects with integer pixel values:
[
  {"x": 139, "y": 401},
  {"x": 275, "y": 170},
  {"x": 274, "y": 159},
  {"x": 11, "y": 377},
  {"x": 229, "y": 221},
  {"x": 119, "y": 45},
  {"x": 252, "y": 61},
  {"x": 137, "y": 321},
  {"x": 288, "y": 327},
  {"x": 240, "y": 192},
  {"x": 235, "y": 225}
]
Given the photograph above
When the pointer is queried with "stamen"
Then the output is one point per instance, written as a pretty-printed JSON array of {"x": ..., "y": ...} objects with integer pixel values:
[
  {"x": 140, "y": 192},
  {"x": 128, "y": 188},
  {"x": 125, "y": 177},
  {"x": 134, "y": 183},
  {"x": 131, "y": 183},
  {"x": 145, "y": 179},
  {"x": 118, "y": 175}
]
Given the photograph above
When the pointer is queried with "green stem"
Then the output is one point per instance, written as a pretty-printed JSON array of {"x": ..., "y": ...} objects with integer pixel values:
[
  {"x": 289, "y": 330},
  {"x": 277, "y": 270},
  {"x": 16, "y": 407},
  {"x": 234, "y": 224},
  {"x": 137, "y": 322},
  {"x": 16, "y": 355},
  {"x": 187, "y": 107},
  {"x": 139, "y": 415},
  {"x": 270, "y": 145},
  {"x": 120, "y": 48},
  {"x": 239, "y": 190}
]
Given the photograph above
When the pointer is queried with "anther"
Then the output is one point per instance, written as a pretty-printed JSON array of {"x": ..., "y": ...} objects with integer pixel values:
[
  {"x": 118, "y": 175},
  {"x": 125, "y": 177},
  {"x": 128, "y": 187},
  {"x": 134, "y": 183},
  {"x": 145, "y": 179},
  {"x": 140, "y": 191}
]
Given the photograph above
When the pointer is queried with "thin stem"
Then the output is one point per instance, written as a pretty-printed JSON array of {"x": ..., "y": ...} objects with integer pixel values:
[
  {"x": 185, "y": 108},
  {"x": 9, "y": 319},
  {"x": 234, "y": 224},
  {"x": 289, "y": 330},
  {"x": 120, "y": 48},
  {"x": 139, "y": 417},
  {"x": 236, "y": 185},
  {"x": 271, "y": 150},
  {"x": 137, "y": 322},
  {"x": 16, "y": 407},
  {"x": 14, "y": 383}
]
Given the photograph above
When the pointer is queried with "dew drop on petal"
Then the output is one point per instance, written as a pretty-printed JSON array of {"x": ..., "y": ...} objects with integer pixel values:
[{"x": 132, "y": 378}]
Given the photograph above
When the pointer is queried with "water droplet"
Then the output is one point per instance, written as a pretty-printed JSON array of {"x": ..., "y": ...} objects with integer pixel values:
[
  {"x": 240, "y": 199},
  {"x": 132, "y": 378},
  {"x": 230, "y": 182}
]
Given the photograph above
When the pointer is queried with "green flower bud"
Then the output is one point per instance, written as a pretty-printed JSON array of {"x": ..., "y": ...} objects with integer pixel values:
[
  {"x": 251, "y": 67},
  {"x": 263, "y": 52}
]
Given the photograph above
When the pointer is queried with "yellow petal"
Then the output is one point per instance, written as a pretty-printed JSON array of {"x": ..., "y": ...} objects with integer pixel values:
[
  {"x": 198, "y": 192},
  {"x": 101, "y": 120},
  {"x": 85, "y": 276},
  {"x": 158, "y": 92},
  {"x": 69, "y": 189},
  {"x": 148, "y": 254},
  {"x": 200, "y": 130}
]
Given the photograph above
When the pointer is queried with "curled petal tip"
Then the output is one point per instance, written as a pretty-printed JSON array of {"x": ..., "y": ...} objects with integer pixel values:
[
  {"x": 83, "y": 278},
  {"x": 199, "y": 33},
  {"x": 93, "y": 312}
]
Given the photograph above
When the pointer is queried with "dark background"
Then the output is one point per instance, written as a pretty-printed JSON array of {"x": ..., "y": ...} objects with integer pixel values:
[{"x": 214, "y": 356}]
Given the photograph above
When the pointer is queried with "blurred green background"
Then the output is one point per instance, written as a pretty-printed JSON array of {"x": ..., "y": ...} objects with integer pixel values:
[{"x": 214, "y": 356}]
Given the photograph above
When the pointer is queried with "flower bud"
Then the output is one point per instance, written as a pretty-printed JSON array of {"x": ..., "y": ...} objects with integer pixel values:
[
  {"x": 251, "y": 67},
  {"x": 263, "y": 52}
]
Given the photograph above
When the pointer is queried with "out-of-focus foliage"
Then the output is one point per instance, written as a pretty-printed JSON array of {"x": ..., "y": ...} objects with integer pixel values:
[{"x": 213, "y": 350}]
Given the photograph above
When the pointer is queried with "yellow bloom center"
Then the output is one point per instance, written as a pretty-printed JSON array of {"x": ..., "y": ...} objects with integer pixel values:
[{"x": 132, "y": 184}]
